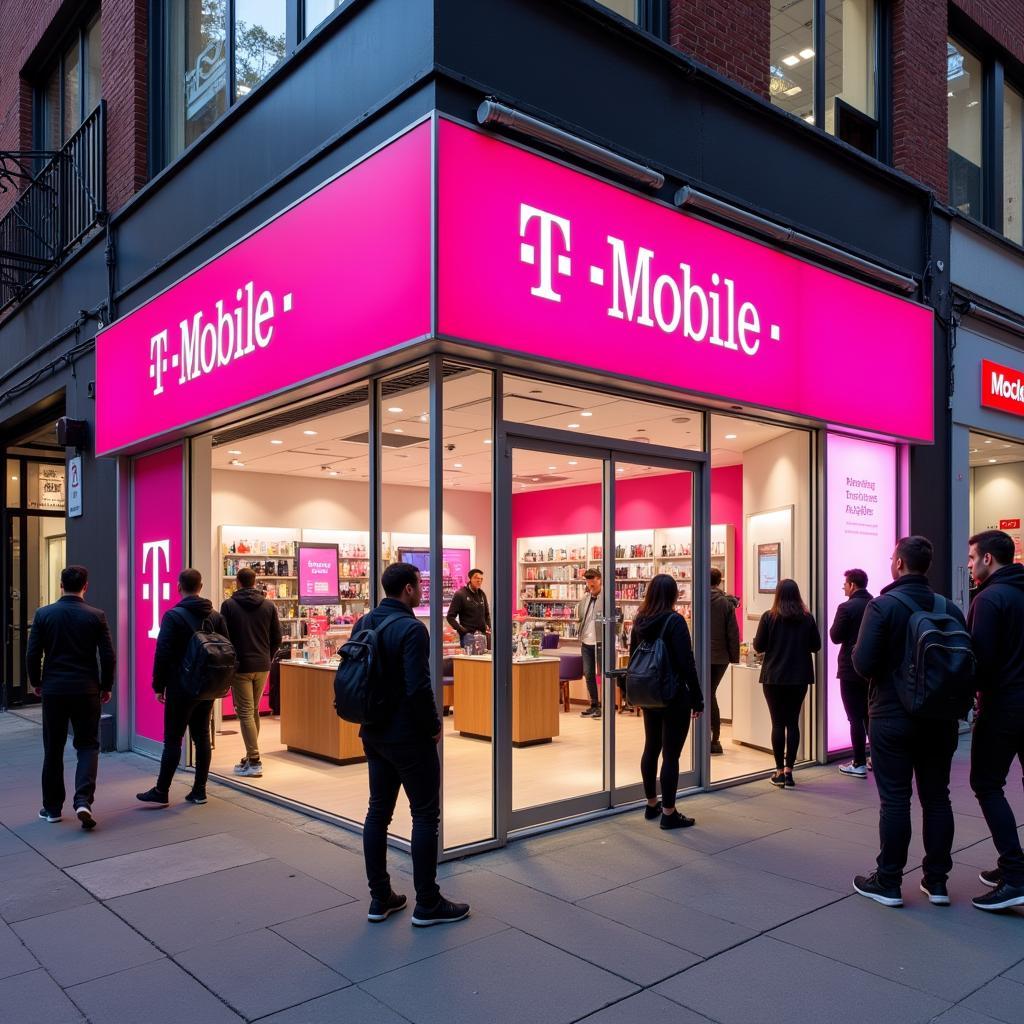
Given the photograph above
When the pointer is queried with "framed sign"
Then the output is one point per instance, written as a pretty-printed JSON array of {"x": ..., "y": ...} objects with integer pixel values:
[
  {"x": 769, "y": 561},
  {"x": 318, "y": 573}
]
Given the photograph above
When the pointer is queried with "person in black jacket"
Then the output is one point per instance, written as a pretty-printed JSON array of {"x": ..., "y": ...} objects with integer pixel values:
[
  {"x": 996, "y": 624},
  {"x": 181, "y": 710},
  {"x": 255, "y": 632},
  {"x": 853, "y": 687},
  {"x": 725, "y": 648},
  {"x": 904, "y": 748},
  {"x": 71, "y": 666},
  {"x": 469, "y": 612},
  {"x": 788, "y": 637},
  {"x": 665, "y": 729},
  {"x": 401, "y": 753}
]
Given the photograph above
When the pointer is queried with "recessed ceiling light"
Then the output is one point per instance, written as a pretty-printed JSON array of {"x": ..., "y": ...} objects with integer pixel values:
[
  {"x": 235, "y": 462},
  {"x": 457, "y": 465},
  {"x": 993, "y": 460},
  {"x": 536, "y": 479},
  {"x": 795, "y": 91},
  {"x": 487, "y": 440},
  {"x": 395, "y": 408},
  {"x": 423, "y": 417},
  {"x": 332, "y": 472},
  {"x": 618, "y": 469},
  {"x": 573, "y": 462},
  {"x": 234, "y": 451},
  {"x": 574, "y": 426},
  {"x": 730, "y": 437},
  {"x": 974, "y": 451},
  {"x": 399, "y": 430},
  {"x": 807, "y": 53},
  {"x": 552, "y": 467},
  {"x": 276, "y": 441},
  {"x": 14, "y": 478},
  {"x": 809, "y": 118},
  {"x": 586, "y": 412},
  {"x": 988, "y": 441},
  {"x": 310, "y": 433},
  {"x": 791, "y": 61}
]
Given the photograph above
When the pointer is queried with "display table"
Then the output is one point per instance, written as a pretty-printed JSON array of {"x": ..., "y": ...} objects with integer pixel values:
[
  {"x": 534, "y": 698},
  {"x": 309, "y": 724},
  {"x": 751, "y": 723}
]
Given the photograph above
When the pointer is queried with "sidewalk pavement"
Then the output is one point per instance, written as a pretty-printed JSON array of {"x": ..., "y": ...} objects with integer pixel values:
[{"x": 240, "y": 910}]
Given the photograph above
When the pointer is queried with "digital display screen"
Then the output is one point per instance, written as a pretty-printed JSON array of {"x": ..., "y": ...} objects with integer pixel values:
[{"x": 318, "y": 573}]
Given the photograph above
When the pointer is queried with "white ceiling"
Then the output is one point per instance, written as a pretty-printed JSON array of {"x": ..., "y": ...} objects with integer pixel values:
[{"x": 985, "y": 450}]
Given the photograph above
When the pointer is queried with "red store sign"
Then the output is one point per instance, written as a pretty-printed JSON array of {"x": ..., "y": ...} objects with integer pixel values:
[{"x": 1002, "y": 388}]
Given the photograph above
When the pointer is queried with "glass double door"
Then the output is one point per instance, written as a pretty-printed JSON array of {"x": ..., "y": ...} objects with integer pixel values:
[{"x": 591, "y": 529}]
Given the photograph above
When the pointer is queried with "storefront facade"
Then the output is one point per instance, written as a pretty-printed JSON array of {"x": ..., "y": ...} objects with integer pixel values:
[{"x": 528, "y": 369}]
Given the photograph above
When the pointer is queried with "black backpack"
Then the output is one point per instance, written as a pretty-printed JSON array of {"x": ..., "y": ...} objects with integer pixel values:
[
  {"x": 209, "y": 664},
  {"x": 361, "y": 694},
  {"x": 651, "y": 681},
  {"x": 936, "y": 677}
]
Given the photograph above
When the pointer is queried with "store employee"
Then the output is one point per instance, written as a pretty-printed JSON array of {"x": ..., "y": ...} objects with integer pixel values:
[
  {"x": 469, "y": 612},
  {"x": 588, "y": 612}
]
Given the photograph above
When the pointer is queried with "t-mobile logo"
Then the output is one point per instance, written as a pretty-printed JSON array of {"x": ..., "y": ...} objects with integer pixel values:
[
  {"x": 544, "y": 261},
  {"x": 156, "y": 559}
]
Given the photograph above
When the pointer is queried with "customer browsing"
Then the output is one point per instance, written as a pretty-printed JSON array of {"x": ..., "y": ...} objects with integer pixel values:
[
  {"x": 469, "y": 613},
  {"x": 588, "y": 612}
]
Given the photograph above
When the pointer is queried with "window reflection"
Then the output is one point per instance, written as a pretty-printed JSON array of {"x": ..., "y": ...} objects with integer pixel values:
[{"x": 963, "y": 98}]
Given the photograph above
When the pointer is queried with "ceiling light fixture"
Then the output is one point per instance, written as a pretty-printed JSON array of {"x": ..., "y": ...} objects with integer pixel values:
[
  {"x": 807, "y": 53},
  {"x": 988, "y": 440},
  {"x": 275, "y": 441},
  {"x": 586, "y": 412},
  {"x": 574, "y": 426},
  {"x": 234, "y": 451},
  {"x": 573, "y": 462},
  {"x": 993, "y": 460},
  {"x": 794, "y": 91},
  {"x": 395, "y": 408},
  {"x": 399, "y": 430},
  {"x": 730, "y": 437},
  {"x": 310, "y": 433},
  {"x": 791, "y": 61},
  {"x": 552, "y": 467},
  {"x": 457, "y": 465},
  {"x": 487, "y": 440},
  {"x": 332, "y": 472}
]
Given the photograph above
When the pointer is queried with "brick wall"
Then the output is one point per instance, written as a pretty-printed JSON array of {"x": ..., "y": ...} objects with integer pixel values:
[
  {"x": 732, "y": 37},
  {"x": 1003, "y": 20}
]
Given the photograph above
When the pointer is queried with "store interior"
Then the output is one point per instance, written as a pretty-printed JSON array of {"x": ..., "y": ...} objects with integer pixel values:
[
  {"x": 302, "y": 477},
  {"x": 997, "y": 486}
]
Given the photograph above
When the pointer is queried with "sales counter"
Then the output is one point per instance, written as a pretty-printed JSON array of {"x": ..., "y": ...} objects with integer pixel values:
[
  {"x": 751, "y": 722},
  {"x": 309, "y": 724}
]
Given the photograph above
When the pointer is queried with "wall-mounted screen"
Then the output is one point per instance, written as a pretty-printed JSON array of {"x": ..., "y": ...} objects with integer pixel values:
[
  {"x": 769, "y": 561},
  {"x": 318, "y": 573}
]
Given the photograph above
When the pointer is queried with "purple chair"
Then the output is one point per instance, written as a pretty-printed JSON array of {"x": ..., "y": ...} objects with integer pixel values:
[
  {"x": 570, "y": 667},
  {"x": 448, "y": 685},
  {"x": 549, "y": 641}
]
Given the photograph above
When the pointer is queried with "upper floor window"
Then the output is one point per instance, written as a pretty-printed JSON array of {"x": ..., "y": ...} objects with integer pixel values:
[
  {"x": 964, "y": 111},
  {"x": 1013, "y": 165},
  {"x": 824, "y": 66},
  {"x": 71, "y": 91}
]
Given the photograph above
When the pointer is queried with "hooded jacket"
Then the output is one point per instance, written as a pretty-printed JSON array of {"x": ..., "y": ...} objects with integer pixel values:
[
  {"x": 725, "y": 631},
  {"x": 680, "y": 652},
  {"x": 996, "y": 624},
  {"x": 176, "y": 629},
  {"x": 254, "y": 629},
  {"x": 844, "y": 631}
]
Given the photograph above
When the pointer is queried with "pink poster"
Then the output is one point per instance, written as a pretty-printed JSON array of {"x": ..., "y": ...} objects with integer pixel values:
[
  {"x": 157, "y": 556},
  {"x": 318, "y": 573}
]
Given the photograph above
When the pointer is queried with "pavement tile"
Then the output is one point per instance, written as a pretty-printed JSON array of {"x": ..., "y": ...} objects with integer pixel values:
[
  {"x": 1001, "y": 999},
  {"x": 690, "y": 929},
  {"x": 14, "y": 956},
  {"x": 343, "y": 939},
  {"x": 156, "y": 993},
  {"x": 961, "y": 1015},
  {"x": 717, "y": 830},
  {"x": 785, "y": 985},
  {"x": 33, "y": 887},
  {"x": 147, "y": 869},
  {"x": 239, "y": 971},
  {"x": 506, "y": 978},
  {"x": 35, "y": 998},
  {"x": 555, "y": 877},
  {"x": 84, "y": 943},
  {"x": 10, "y": 844},
  {"x": 348, "y": 1006},
  {"x": 1015, "y": 973},
  {"x": 623, "y": 856},
  {"x": 646, "y": 1007},
  {"x": 181, "y": 915}
]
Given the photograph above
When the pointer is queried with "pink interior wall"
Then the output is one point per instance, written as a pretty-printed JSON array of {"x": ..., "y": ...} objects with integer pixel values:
[{"x": 642, "y": 504}]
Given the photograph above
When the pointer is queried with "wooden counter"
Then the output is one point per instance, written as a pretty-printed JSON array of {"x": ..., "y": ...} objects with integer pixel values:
[
  {"x": 309, "y": 724},
  {"x": 535, "y": 702}
]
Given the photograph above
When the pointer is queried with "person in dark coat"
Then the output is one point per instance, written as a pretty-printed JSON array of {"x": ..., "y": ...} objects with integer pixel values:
[
  {"x": 788, "y": 637},
  {"x": 725, "y": 648},
  {"x": 905, "y": 749},
  {"x": 255, "y": 631},
  {"x": 71, "y": 666},
  {"x": 853, "y": 687},
  {"x": 996, "y": 624},
  {"x": 469, "y": 612},
  {"x": 665, "y": 729},
  {"x": 181, "y": 710}
]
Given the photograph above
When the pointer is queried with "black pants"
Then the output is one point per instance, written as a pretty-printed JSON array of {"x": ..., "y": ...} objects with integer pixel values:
[
  {"x": 784, "y": 705},
  {"x": 717, "y": 675},
  {"x": 998, "y": 739},
  {"x": 591, "y": 654},
  {"x": 665, "y": 732},
  {"x": 855, "y": 701},
  {"x": 414, "y": 767},
  {"x": 904, "y": 750},
  {"x": 182, "y": 712},
  {"x": 82, "y": 712}
]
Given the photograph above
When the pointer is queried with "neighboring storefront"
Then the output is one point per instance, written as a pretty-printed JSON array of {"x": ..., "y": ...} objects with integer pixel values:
[{"x": 462, "y": 353}]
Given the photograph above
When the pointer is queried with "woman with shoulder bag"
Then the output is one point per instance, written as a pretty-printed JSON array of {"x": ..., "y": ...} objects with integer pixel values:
[
  {"x": 665, "y": 728},
  {"x": 788, "y": 637}
]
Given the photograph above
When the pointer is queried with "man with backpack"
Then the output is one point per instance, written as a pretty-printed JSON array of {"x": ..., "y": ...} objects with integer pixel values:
[
  {"x": 400, "y": 742},
  {"x": 186, "y": 630},
  {"x": 996, "y": 622},
  {"x": 914, "y": 651}
]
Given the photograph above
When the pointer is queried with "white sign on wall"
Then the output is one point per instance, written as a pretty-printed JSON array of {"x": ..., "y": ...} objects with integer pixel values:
[
  {"x": 51, "y": 488},
  {"x": 75, "y": 487}
]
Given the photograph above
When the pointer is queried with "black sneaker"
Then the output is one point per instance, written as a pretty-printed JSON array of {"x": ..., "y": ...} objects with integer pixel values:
[
  {"x": 868, "y": 885},
  {"x": 153, "y": 796},
  {"x": 716, "y": 747},
  {"x": 590, "y": 712},
  {"x": 51, "y": 817},
  {"x": 993, "y": 878},
  {"x": 381, "y": 910},
  {"x": 1002, "y": 897},
  {"x": 84, "y": 815},
  {"x": 193, "y": 797},
  {"x": 676, "y": 820},
  {"x": 445, "y": 912},
  {"x": 937, "y": 892},
  {"x": 650, "y": 813},
  {"x": 789, "y": 780},
  {"x": 779, "y": 780}
]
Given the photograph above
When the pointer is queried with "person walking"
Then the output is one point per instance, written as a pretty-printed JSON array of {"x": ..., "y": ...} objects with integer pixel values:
[
  {"x": 665, "y": 729},
  {"x": 469, "y": 613},
  {"x": 725, "y": 649},
  {"x": 853, "y": 687},
  {"x": 401, "y": 753},
  {"x": 904, "y": 747},
  {"x": 788, "y": 637},
  {"x": 255, "y": 632},
  {"x": 996, "y": 625},
  {"x": 71, "y": 665},
  {"x": 181, "y": 710},
  {"x": 588, "y": 611}
]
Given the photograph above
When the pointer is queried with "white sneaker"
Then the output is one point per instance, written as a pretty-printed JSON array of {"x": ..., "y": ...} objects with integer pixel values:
[
  {"x": 251, "y": 769},
  {"x": 858, "y": 771},
  {"x": 242, "y": 767}
]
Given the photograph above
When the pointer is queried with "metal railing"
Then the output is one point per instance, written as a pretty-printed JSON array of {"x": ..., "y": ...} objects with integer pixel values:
[{"x": 58, "y": 208}]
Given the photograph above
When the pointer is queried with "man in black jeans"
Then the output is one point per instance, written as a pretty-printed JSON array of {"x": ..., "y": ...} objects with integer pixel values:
[
  {"x": 71, "y": 666},
  {"x": 904, "y": 748},
  {"x": 182, "y": 711},
  {"x": 725, "y": 648},
  {"x": 401, "y": 753},
  {"x": 588, "y": 613},
  {"x": 853, "y": 687},
  {"x": 996, "y": 623}
]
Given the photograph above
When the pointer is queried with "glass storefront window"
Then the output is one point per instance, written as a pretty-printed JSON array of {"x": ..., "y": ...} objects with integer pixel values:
[
  {"x": 92, "y": 84},
  {"x": 45, "y": 482},
  {"x": 791, "y": 71},
  {"x": 13, "y": 483},
  {"x": 964, "y": 105},
  {"x": 316, "y": 11},
  {"x": 849, "y": 57},
  {"x": 627, "y": 8},
  {"x": 259, "y": 41},
  {"x": 1013, "y": 165}
]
